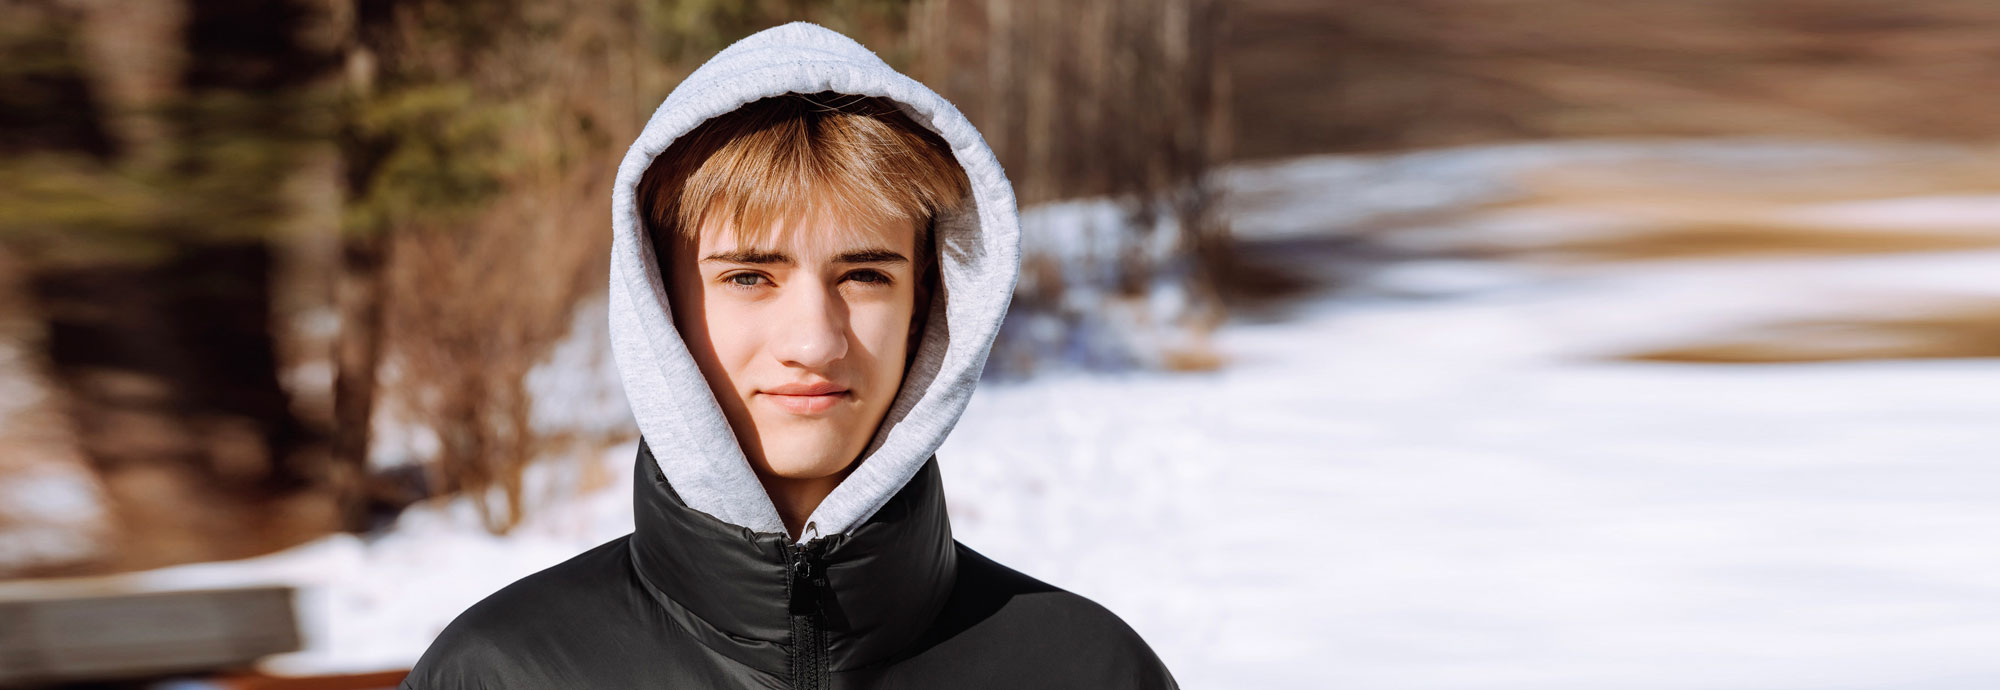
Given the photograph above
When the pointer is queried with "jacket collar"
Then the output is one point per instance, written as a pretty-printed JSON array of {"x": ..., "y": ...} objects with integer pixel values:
[{"x": 731, "y": 587}]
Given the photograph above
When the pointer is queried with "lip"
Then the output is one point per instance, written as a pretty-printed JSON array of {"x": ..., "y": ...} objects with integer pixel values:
[
  {"x": 805, "y": 399},
  {"x": 822, "y": 388}
]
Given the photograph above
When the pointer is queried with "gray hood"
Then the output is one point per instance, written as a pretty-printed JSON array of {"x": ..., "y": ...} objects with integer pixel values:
[{"x": 978, "y": 252}]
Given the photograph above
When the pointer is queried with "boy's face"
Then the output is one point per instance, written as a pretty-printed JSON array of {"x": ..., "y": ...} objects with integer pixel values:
[{"x": 803, "y": 342}]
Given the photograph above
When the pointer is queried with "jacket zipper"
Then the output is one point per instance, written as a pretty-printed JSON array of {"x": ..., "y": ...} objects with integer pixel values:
[{"x": 808, "y": 587}]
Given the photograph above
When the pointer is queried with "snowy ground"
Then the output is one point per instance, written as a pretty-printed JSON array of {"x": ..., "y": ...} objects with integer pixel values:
[
  {"x": 1429, "y": 472},
  {"x": 1397, "y": 493}
]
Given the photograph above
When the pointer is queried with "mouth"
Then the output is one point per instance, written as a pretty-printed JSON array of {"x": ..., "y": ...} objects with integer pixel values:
[{"x": 806, "y": 399}]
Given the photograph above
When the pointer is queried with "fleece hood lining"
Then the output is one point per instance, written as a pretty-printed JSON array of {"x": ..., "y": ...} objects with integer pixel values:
[{"x": 978, "y": 254}]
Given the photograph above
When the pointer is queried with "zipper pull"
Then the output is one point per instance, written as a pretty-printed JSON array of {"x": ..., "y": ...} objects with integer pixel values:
[{"x": 808, "y": 581}]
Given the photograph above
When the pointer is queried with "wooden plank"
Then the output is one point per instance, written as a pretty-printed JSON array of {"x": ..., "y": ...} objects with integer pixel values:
[{"x": 153, "y": 633}]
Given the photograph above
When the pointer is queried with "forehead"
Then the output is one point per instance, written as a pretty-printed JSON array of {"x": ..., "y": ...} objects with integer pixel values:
[{"x": 809, "y": 234}]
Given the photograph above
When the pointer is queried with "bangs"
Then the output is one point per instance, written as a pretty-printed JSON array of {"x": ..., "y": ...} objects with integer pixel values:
[{"x": 828, "y": 162}]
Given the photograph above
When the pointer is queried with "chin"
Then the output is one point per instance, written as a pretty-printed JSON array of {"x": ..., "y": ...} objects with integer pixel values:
[{"x": 807, "y": 456}]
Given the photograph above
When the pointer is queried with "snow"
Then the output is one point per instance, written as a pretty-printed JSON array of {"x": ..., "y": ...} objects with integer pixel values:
[
  {"x": 1937, "y": 213},
  {"x": 50, "y": 513},
  {"x": 1434, "y": 472},
  {"x": 1436, "y": 495},
  {"x": 1308, "y": 195},
  {"x": 1071, "y": 317},
  {"x": 51, "y": 506}
]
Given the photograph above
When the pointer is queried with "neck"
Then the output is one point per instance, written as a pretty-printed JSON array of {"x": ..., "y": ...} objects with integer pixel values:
[{"x": 796, "y": 498}]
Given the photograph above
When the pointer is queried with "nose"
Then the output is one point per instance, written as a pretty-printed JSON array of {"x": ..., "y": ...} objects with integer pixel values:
[{"x": 813, "y": 331}]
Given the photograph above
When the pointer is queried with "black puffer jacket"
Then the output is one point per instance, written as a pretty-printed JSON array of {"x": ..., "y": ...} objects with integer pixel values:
[{"x": 689, "y": 601}]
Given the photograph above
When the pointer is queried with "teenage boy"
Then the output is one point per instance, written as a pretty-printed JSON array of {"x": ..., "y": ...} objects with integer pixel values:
[{"x": 812, "y": 255}]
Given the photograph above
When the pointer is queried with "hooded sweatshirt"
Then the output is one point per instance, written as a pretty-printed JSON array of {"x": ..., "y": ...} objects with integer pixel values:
[
  {"x": 979, "y": 261},
  {"x": 709, "y": 590}
]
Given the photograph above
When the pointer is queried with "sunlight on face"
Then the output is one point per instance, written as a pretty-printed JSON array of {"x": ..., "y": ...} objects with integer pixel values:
[{"x": 803, "y": 342}]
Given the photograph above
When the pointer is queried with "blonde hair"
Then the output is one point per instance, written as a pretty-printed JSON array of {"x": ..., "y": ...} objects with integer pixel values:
[{"x": 801, "y": 157}]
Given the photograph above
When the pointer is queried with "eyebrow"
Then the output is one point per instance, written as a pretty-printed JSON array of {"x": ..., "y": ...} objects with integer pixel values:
[{"x": 872, "y": 255}]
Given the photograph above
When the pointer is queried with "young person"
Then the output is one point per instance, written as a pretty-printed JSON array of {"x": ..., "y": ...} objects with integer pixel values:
[{"x": 812, "y": 255}]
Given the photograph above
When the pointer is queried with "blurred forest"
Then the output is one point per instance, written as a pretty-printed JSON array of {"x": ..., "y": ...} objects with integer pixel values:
[{"x": 234, "y": 235}]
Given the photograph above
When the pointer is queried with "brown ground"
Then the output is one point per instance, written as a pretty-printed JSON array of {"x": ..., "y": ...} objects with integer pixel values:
[
  {"x": 1966, "y": 330},
  {"x": 1723, "y": 239},
  {"x": 1667, "y": 213}
]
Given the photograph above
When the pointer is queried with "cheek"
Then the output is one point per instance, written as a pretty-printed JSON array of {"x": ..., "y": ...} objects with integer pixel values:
[
  {"x": 732, "y": 333},
  {"x": 882, "y": 326}
]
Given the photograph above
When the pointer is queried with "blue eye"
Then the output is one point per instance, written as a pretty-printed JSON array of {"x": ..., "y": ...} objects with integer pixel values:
[{"x": 733, "y": 281}]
